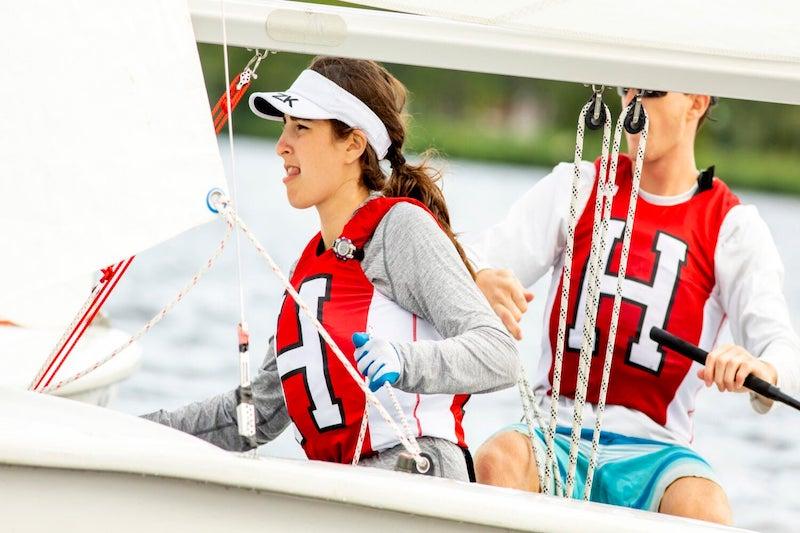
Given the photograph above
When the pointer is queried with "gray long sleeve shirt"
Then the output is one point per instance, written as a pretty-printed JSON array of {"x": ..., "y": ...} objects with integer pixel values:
[{"x": 412, "y": 262}]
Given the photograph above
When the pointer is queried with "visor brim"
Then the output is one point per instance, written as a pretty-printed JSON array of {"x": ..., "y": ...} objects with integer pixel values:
[{"x": 274, "y": 106}]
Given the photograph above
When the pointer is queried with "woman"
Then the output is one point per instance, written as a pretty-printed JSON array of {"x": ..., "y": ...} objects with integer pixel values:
[{"x": 386, "y": 263}]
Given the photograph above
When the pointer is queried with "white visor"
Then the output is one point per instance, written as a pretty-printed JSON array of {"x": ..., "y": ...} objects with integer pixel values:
[{"x": 313, "y": 96}]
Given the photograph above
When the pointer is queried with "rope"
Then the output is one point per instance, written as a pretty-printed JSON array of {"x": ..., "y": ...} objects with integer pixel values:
[
  {"x": 599, "y": 230},
  {"x": 406, "y": 438},
  {"x": 112, "y": 274},
  {"x": 362, "y": 433},
  {"x": 530, "y": 410},
  {"x": 82, "y": 320},
  {"x": 245, "y": 410},
  {"x": 623, "y": 264},
  {"x": 235, "y": 90},
  {"x": 565, "y": 288},
  {"x": 155, "y": 320}
]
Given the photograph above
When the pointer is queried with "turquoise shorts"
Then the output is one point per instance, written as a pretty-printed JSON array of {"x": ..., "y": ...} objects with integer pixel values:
[{"x": 630, "y": 471}]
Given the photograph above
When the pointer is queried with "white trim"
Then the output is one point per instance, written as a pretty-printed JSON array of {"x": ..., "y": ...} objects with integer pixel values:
[{"x": 676, "y": 199}]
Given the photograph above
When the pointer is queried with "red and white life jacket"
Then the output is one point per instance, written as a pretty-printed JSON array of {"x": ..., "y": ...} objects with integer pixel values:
[
  {"x": 323, "y": 401},
  {"x": 669, "y": 283}
]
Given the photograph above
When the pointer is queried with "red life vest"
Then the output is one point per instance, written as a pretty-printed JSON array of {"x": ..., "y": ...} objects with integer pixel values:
[
  {"x": 669, "y": 283},
  {"x": 323, "y": 401}
]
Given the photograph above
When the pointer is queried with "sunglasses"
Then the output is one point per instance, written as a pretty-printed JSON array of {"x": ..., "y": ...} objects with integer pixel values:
[{"x": 646, "y": 93}]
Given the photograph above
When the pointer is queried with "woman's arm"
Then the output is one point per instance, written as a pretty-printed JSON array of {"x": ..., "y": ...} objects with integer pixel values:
[
  {"x": 412, "y": 262},
  {"x": 214, "y": 420}
]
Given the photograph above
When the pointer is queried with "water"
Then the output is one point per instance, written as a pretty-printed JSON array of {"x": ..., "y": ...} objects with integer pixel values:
[{"x": 193, "y": 354}]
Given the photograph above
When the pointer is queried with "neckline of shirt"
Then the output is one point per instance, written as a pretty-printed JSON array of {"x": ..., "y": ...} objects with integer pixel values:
[{"x": 676, "y": 199}]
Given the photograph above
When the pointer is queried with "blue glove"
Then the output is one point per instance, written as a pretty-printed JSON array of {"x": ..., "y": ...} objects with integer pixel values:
[{"x": 377, "y": 360}]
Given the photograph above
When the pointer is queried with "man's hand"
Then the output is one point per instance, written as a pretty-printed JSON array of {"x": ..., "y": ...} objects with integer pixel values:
[
  {"x": 506, "y": 295},
  {"x": 729, "y": 365}
]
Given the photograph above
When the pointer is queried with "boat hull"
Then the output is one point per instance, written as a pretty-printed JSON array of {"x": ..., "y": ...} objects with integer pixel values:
[{"x": 65, "y": 462}]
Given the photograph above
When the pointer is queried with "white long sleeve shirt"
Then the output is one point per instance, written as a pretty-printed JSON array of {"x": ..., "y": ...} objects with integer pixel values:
[{"x": 745, "y": 285}]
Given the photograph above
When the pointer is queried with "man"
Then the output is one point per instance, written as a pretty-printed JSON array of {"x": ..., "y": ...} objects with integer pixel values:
[{"x": 697, "y": 257}]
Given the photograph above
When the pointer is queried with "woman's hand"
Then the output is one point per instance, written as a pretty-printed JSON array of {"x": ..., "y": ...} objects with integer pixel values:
[
  {"x": 729, "y": 365},
  {"x": 377, "y": 360},
  {"x": 506, "y": 295}
]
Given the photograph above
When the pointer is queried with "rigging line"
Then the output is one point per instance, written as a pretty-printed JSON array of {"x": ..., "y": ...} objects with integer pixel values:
[
  {"x": 562, "y": 311},
  {"x": 594, "y": 274},
  {"x": 566, "y": 280},
  {"x": 245, "y": 410},
  {"x": 529, "y": 411},
  {"x": 82, "y": 320},
  {"x": 406, "y": 438},
  {"x": 623, "y": 265},
  {"x": 234, "y": 181},
  {"x": 153, "y": 321}
]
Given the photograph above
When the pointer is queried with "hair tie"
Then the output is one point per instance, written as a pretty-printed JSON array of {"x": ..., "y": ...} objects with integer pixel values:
[{"x": 397, "y": 159}]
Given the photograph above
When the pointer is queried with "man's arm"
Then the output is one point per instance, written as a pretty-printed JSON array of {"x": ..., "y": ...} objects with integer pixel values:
[
  {"x": 749, "y": 273},
  {"x": 516, "y": 252}
]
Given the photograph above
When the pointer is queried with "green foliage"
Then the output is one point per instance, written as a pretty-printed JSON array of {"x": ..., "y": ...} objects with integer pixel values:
[{"x": 519, "y": 120}]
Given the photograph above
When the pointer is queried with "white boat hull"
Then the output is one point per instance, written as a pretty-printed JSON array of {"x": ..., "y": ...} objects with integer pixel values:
[
  {"x": 69, "y": 463},
  {"x": 24, "y": 350}
]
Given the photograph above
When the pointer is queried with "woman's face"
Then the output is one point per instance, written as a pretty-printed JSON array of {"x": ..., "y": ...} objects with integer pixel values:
[{"x": 316, "y": 162}]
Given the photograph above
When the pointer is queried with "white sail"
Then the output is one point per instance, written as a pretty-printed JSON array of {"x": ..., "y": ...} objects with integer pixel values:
[
  {"x": 107, "y": 146},
  {"x": 729, "y": 49}
]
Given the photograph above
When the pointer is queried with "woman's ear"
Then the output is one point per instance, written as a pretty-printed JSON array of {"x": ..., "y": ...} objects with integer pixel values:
[{"x": 355, "y": 145}]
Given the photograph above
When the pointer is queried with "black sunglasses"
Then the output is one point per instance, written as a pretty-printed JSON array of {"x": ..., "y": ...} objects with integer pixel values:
[{"x": 646, "y": 93}]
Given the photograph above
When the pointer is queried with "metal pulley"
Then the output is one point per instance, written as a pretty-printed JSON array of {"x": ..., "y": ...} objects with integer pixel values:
[
  {"x": 634, "y": 120},
  {"x": 596, "y": 115}
]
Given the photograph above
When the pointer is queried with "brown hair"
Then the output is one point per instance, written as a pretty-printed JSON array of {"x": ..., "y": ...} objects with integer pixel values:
[{"x": 386, "y": 96}]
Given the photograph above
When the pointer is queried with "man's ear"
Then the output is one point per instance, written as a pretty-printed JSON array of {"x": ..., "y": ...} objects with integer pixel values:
[
  {"x": 700, "y": 103},
  {"x": 355, "y": 145}
]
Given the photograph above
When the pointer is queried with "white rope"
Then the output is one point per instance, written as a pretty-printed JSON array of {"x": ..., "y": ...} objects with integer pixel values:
[
  {"x": 245, "y": 411},
  {"x": 550, "y": 460},
  {"x": 531, "y": 411},
  {"x": 362, "y": 433},
  {"x": 406, "y": 438},
  {"x": 599, "y": 230},
  {"x": 65, "y": 336},
  {"x": 153, "y": 321},
  {"x": 623, "y": 264},
  {"x": 234, "y": 182}
]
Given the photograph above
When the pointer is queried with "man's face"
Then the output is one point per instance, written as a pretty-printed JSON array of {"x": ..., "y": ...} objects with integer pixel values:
[{"x": 673, "y": 123}]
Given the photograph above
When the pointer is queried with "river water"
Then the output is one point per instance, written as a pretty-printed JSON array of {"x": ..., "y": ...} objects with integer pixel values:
[{"x": 192, "y": 354}]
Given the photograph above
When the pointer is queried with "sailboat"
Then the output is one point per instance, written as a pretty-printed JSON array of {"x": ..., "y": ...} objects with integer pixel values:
[
  {"x": 113, "y": 152},
  {"x": 34, "y": 325}
]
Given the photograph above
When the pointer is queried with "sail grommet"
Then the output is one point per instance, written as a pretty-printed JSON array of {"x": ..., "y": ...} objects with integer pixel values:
[{"x": 214, "y": 200}]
